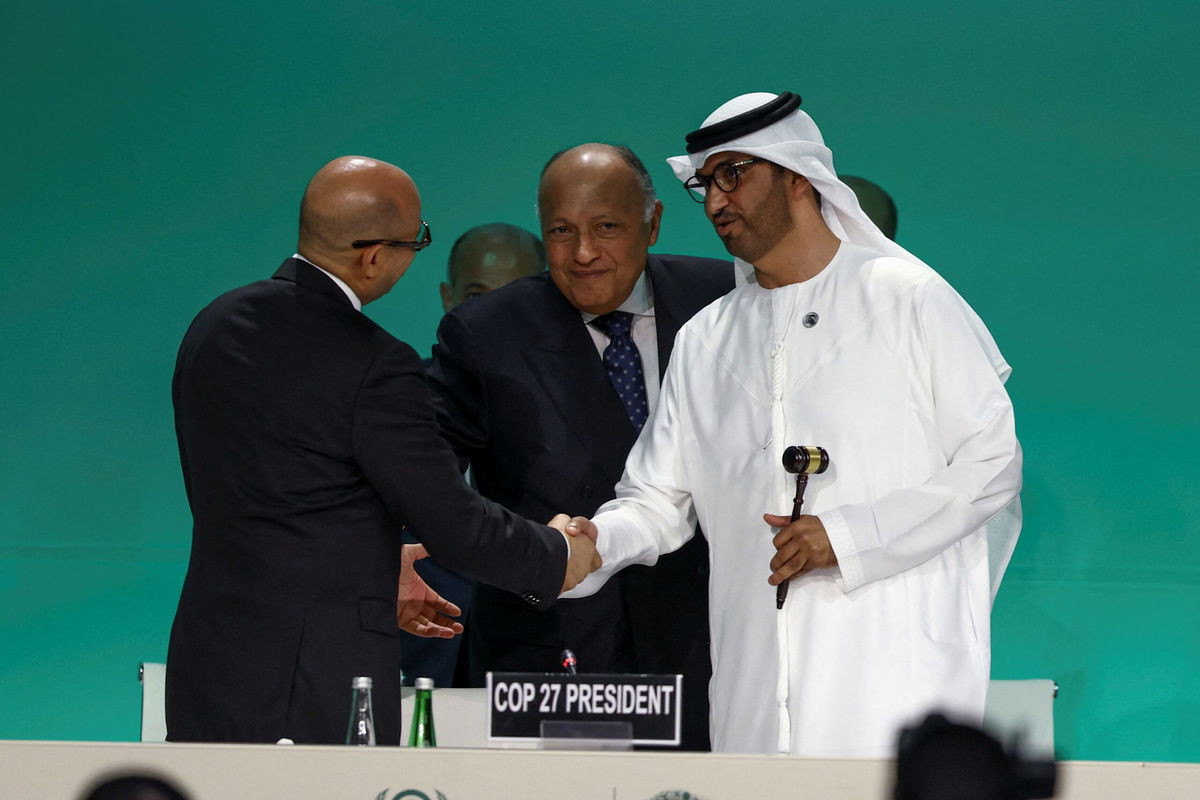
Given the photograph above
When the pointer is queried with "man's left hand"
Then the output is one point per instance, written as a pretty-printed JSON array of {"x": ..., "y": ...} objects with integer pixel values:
[
  {"x": 800, "y": 547},
  {"x": 420, "y": 610}
]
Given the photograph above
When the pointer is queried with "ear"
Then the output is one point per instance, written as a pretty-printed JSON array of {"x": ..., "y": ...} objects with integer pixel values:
[
  {"x": 655, "y": 221},
  {"x": 369, "y": 262},
  {"x": 446, "y": 290},
  {"x": 799, "y": 185}
]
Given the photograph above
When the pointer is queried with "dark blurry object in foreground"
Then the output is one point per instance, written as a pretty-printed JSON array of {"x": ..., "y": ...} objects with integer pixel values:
[
  {"x": 134, "y": 787},
  {"x": 943, "y": 760}
]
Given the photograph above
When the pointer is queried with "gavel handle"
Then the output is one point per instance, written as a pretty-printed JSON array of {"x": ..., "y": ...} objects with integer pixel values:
[{"x": 782, "y": 589}]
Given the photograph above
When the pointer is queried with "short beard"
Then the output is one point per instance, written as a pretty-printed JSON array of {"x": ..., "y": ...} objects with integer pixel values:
[{"x": 772, "y": 220}]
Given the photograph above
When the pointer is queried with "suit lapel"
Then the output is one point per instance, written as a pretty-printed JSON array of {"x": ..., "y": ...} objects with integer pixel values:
[{"x": 572, "y": 376}]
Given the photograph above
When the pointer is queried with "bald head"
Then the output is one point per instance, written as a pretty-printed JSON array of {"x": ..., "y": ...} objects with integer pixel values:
[
  {"x": 599, "y": 216},
  {"x": 596, "y": 154},
  {"x": 487, "y": 257},
  {"x": 353, "y": 198}
]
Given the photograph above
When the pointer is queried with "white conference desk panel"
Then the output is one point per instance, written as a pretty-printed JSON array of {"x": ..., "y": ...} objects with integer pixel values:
[{"x": 62, "y": 770}]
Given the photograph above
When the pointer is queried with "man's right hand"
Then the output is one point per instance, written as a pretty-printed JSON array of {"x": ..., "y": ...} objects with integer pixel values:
[
  {"x": 582, "y": 525},
  {"x": 583, "y": 558}
]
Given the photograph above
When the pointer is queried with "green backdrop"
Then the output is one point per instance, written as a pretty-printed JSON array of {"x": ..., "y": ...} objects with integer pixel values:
[{"x": 1043, "y": 157}]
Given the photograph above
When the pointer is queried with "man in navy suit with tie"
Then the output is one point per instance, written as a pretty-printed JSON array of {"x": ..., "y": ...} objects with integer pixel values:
[{"x": 545, "y": 384}]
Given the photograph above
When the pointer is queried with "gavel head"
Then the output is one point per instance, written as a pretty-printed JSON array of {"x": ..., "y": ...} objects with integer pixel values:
[{"x": 805, "y": 460}]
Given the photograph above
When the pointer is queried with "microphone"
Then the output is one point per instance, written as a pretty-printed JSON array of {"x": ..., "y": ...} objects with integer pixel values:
[
  {"x": 568, "y": 662},
  {"x": 801, "y": 461}
]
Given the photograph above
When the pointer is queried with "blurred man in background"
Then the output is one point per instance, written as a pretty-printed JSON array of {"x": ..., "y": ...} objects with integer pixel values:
[
  {"x": 875, "y": 202},
  {"x": 487, "y": 257}
]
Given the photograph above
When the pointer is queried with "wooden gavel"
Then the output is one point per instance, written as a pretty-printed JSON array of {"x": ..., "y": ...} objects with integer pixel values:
[{"x": 801, "y": 461}]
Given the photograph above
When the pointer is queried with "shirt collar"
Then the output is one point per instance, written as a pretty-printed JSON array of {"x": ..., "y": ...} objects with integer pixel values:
[{"x": 341, "y": 283}]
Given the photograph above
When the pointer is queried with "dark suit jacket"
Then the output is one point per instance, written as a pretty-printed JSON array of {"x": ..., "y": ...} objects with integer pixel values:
[
  {"x": 526, "y": 399},
  {"x": 307, "y": 439}
]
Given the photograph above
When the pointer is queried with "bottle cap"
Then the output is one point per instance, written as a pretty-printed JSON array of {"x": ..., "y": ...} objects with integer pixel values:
[
  {"x": 360, "y": 683},
  {"x": 423, "y": 683}
]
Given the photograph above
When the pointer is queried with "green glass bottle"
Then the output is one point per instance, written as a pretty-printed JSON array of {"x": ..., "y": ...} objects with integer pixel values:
[{"x": 422, "y": 733}]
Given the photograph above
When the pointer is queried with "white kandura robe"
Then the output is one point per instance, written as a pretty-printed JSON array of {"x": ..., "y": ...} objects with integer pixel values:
[{"x": 901, "y": 382}]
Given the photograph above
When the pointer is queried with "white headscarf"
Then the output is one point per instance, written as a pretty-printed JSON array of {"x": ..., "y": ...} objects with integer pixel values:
[{"x": 795, "y": 143}]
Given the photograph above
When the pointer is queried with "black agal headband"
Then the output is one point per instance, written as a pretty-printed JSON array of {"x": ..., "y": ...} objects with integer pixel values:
[{"x": 747, "y": 122}]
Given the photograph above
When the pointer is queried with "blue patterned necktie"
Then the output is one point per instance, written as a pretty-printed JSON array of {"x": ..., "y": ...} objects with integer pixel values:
[{"x": 624, "y": 364}]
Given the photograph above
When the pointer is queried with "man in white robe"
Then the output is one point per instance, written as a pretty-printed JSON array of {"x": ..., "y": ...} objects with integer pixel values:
[{"x": 846, "y": 341}]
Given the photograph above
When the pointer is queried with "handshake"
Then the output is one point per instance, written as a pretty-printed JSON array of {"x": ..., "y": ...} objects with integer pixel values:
[
  {"x": 582, "y": 560},
  {"x": 423, "y": 612}
]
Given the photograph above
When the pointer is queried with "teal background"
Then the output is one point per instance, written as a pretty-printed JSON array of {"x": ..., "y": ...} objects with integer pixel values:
[{"x": 1043, "y": 157}]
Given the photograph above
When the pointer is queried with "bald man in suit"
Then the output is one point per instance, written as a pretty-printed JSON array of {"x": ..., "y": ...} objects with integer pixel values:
[{"x": 307, "y": 441}]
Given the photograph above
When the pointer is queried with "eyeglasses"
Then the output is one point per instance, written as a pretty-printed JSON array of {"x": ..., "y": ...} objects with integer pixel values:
[
  {"x": 424, "y": 239},
  {"x": 724, "y": 176}
]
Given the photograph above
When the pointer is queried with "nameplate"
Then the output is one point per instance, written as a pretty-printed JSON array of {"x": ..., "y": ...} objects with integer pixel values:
[{"x": 519, "y": 702}]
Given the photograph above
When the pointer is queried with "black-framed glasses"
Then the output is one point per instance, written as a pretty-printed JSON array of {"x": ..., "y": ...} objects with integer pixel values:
[
  {"x": 424, "y": 239},
  {"x": 724, "y": 176}
]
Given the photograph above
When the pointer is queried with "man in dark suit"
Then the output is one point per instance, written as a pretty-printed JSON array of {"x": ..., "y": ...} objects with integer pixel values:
[
  {"x": 527, "y": 399},
  {"x": 307, "y": 440}
]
